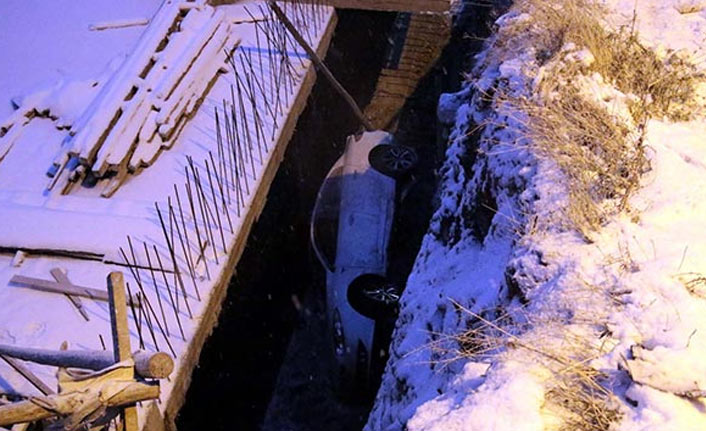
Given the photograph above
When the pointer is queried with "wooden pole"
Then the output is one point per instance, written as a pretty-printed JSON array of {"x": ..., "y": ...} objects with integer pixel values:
[
  {"x": 320, "y": 65},
  {"x": 121, "y": 339},
  {"x": 29, "y": 411},
  {"x": 150, "y": 365}
]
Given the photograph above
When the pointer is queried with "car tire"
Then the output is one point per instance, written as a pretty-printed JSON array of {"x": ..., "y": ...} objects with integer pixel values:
[
  {"x": 393, "y": 160},
  {"x": 374, "y": 296}
]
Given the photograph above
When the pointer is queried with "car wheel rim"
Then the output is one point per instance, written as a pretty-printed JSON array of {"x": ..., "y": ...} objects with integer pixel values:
[
  {"x": 399, "y": 159},
  {"x": 385, "y": 294}
]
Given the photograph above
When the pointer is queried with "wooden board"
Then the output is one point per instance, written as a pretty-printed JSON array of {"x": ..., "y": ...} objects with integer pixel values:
[{"x": 54, "y": 287}]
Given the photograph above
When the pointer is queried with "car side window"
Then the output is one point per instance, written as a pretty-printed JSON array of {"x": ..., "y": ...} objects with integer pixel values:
[{"x": 324, "y": 229}]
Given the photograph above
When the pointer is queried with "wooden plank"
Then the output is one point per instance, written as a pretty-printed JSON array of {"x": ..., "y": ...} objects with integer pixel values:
[
  {"x": 63, "y": 280},
  {"x": 376, "y": 5},
  {"x": 54, "y": 287}
]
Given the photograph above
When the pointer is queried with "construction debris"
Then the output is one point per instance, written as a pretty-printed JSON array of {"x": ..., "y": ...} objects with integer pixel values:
[{"x": 86, "y": 398}]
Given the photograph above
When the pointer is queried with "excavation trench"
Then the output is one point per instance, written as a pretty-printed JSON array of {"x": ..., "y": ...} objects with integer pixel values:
[{"x": 265, "y": 366}]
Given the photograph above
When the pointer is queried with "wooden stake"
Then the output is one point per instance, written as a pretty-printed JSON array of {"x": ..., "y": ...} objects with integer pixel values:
[{"x": 121, "y": 337}]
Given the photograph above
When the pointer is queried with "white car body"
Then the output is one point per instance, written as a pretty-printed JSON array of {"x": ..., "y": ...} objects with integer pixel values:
[{"x": 365, "y": 209}]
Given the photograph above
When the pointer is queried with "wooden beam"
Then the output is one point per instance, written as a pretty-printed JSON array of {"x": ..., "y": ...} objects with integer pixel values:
[
  {"x": 54, "y": 287},
  {"x": 376, "y": 5},
  {"x": 27, "y": 374}
]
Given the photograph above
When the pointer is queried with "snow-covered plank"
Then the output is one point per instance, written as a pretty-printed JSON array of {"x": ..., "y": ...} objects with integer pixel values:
[
  {"x": 102, "y": 112},
  {"x": 197, "y": 29}
]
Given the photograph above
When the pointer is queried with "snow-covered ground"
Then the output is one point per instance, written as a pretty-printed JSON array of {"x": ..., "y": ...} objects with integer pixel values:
[{"x": 517, "y": 315}]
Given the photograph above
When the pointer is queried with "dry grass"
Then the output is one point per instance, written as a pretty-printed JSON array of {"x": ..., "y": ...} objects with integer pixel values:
[
  {"x": 575, "y": 392},
  {"x": 582, "y": 402},
  {"x": 695, "y": 283},
  {"x": 686, "y": 7},
  {"x": 599, "y": 156},
  {"x": 600, "y": 153},
  {"x": 662, "y": 86}
]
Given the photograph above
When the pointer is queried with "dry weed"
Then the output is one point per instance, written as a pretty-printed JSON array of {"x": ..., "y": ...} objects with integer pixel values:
[
  {"x": 576, "y": 392},
  {"x": 664, "y": 87},
  {"x": 686, "y": 7},
  {"x": 600, "y": 153},
  {"x": 695, "y": 283},
  {"x": 582, "y": 402},
  {"x": 596, "y": 151}
]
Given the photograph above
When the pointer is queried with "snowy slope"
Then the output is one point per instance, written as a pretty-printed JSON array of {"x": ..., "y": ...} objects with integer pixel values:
[{"x": 515, "y": 319}]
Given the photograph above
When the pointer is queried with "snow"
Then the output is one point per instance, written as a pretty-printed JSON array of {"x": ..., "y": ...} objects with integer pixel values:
[
  {"x": 629, "y": 303},
  {"x": 79, "y": 54},
  {"x": 671, "y": 25},
  {"x": 492, "y": 407}
]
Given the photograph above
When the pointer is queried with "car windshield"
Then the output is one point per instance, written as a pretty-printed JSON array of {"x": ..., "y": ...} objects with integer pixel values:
[{"x": 324, "y": 228}]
